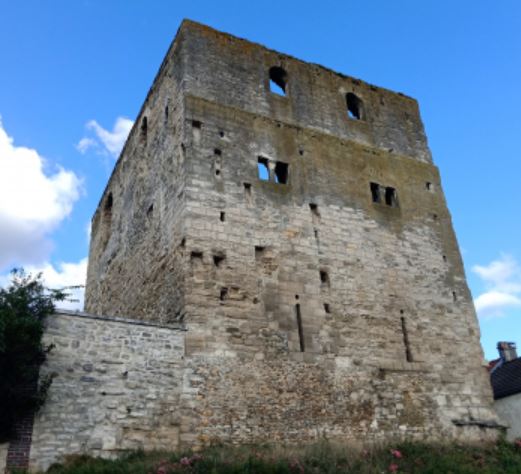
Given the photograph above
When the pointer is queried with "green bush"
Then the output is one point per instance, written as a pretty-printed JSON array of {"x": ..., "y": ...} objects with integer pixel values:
[{"x": 24, "y": 304}]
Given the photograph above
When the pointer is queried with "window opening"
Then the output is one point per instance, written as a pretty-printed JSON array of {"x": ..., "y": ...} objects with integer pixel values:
[
  {"x": 166, "y": 112},
  {"x": 223, "y": 294},
  {"x": 281, "y": 172},
  {"x": 324, "y": 278},
  {"x": 454, "y": 296},
  {"x": 150, "y": 210},
  {"x": 196, "y": 124},
  {"x": 327, "y": 308},
  {"x": 408, "y": 354},
  {"x": 218, "y": 259},
  {"x": 390, "y": 197},
  {"x": 375, "y": 192},
  {"x": 223, "y": 216},
  {"x": 299, "y": 327},
  {"x": 217, "y": 152},
  {"x": 263, "y": 169},
  {"x": 196, "y": 255},
  {"x": 221, "y": 134},
  {"x": 144, "y": 128},
  {"x": 314, "y": 209},
  {"x": 429, "y": 186},
  {"x": 354, "y": 106},
  {"x": 259, "y": 252},
  {"x": 278, "y": 81},
  {"x": 108, "y": 204}
]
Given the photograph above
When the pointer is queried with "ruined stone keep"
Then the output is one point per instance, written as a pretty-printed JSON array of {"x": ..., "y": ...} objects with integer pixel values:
[{"x": 288, "y": 220}]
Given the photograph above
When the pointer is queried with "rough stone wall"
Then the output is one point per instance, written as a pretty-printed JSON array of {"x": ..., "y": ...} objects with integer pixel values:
[
  {"x": 118, "y": 385},
  {"x": 137, "y": 230},
  {"x": 509, "y": 411},
  {"x": 310, "y": 308}
]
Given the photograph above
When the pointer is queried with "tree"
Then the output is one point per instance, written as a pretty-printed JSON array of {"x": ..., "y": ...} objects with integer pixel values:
[{"x": 24, "y": 305}]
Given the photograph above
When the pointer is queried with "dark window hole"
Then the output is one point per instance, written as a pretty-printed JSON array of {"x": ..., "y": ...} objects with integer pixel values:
[
  {"x": 196, "y": 255},
  {"x": 259, "y": 251},
  {"x": 222, "y": 216},
  {"x": 390, "y": 197},
  {"x": 223, "y": 294},
  {"x": 221, "y": 134},
  {"x": 278, "y": 80},
  {"x": 218, "y": 259},
  {"x": 314, "y": 209},
  {"x": 281, "y": 172},
  {"x": 217, "y": 152},
  {"x": 150, "y": 210},
  {"x": 324, "y": 277},
  {"x": 327, "y": 308},
  {"x": 196, "y": 124},
  {"x": 375, "y": 192},
  {"x": 144, "y": 128},
  {"x": 354, "y": 106},
  {"x": 428, "y": 185}
]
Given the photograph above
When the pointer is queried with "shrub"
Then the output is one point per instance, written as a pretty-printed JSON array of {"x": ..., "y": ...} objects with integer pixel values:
[{"x": 24, "y": 304}]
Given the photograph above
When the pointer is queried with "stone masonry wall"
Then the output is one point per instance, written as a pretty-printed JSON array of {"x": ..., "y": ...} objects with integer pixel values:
[
  {"x": 311, "y": 309},
  {"x": 118, "y": 385}
]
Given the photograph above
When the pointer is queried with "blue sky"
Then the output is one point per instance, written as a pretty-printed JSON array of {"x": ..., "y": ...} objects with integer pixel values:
[{"x": 75, "y": 73}]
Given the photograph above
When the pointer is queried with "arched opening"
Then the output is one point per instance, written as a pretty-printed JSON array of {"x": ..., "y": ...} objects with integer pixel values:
[
  {"x": 278, "y": 80},
  {"x": 355, "y": 107}
]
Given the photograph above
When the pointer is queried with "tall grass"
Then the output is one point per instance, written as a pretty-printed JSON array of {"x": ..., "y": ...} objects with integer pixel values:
[{"x": 327, "y": 458}]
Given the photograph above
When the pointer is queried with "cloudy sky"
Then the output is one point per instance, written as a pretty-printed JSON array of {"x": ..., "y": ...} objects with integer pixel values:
[{"x": 74, "y": 75}]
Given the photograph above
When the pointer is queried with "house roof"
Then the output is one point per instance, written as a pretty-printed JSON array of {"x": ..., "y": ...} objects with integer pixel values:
[{"x": 506, "y": 379}]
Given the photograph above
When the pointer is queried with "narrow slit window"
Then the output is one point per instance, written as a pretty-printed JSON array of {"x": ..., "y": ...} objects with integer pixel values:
[
  {"x": 300, "y": 327},
  {"x": 278, "y": 81},
  {"x": 281, "y": 172},
  {"x": 314, "y": 209},
  {"x": 196, "y": 124},
  {"x": 217, "y": 152},
  {"x": 196, "y": 255},
  {"x": 327, "y": 308},
  {"x": 223, "y": 294},
  {"x": 354, "y": 107},
  {"x": 259, "y": 252},
  {"x": 144, "y": 128},
  {"x": 324, "y": 278},
  {"x": 218, "y": 259},
  {"x": 390, "y": 197},
  {"x": 222, "y": 216},
  {"x": 263, "y": 169},
  {"x": 375, "y": 192},
  {"x": 408, "y": 354}
]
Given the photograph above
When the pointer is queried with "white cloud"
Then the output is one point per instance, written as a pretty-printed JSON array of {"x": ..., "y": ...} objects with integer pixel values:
[
  {"x": 104, "y": 140},
  {"x": 32, "y": 202},
  {"x": 63, "y": 275},
  {"x": 502, "y": 279}
]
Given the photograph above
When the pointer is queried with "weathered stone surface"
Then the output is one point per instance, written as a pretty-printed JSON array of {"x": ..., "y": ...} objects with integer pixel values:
[
  {"x": 310, "y": 309},
  {"x": 117, "y": 386}
]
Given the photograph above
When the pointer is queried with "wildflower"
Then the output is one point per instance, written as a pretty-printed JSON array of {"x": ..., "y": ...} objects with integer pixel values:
[
  {"x": 517, "y": 442},
  {"x": 397, "y": 454},
  {"x": 393, "y": 467},
  {"x": 185, "y": 461}
]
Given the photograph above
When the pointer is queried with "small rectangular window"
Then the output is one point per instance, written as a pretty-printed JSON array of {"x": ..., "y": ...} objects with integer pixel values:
[
  {"x": 375, "y": 192},
  {"x": 390, "y": 197},
  {"x": 281, "y": 172}
]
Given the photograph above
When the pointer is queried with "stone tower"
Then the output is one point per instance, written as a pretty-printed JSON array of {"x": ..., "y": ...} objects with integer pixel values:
[{"x": 302, "y": 237}]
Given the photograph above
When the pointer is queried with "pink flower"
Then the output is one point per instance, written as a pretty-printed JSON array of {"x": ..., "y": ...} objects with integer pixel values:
[
  {"x": 517, "y": 442},
  {"x": 393, "y": 467},
  {"x": 397, "y": 454},
  {"x": 185, "y": 461}
]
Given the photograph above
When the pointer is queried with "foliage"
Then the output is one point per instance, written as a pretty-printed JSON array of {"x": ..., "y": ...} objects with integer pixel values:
[
  {"x": 24, "y": 304},
  {"x": 326, "y": 458}
]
